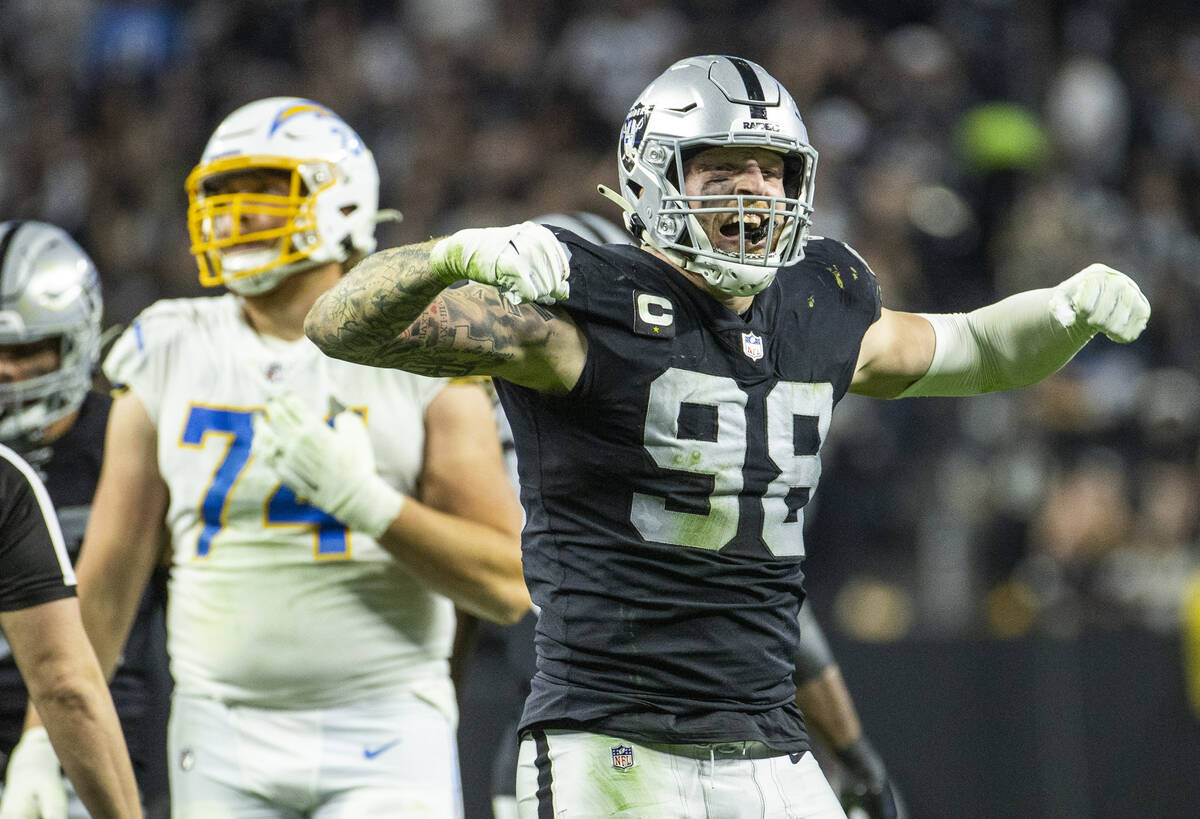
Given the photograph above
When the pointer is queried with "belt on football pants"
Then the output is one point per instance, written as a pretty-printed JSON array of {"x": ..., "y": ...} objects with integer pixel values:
[{"x": 750, "y": 749}]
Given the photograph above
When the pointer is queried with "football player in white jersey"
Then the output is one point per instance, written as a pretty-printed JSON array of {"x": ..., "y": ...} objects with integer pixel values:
[{"x": 325, "y": 518}]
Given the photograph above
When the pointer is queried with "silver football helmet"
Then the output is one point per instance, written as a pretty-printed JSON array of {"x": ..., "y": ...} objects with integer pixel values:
[
  {"x": 328, "y": 214},
  {"x": 49, "y": 289},
  {"x": 707, "y": 102}
]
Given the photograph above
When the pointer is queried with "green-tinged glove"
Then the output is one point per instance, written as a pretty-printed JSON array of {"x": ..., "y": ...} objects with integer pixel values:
[
  {"x": 526, "y": 262},
  {"x": 33, "y": 787},
  {"x": 867, "y": 792},
  {"x": 332, "y": 468},
  {"x": 1104, "y": 301}
]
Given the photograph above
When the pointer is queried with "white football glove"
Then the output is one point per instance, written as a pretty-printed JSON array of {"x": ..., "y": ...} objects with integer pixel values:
[
  {"x": 526, "y": 262},
  {"x": 332, "y": 468},
  {"x": 1104, "y": 301},
  {"x": 34, "y": 787}
]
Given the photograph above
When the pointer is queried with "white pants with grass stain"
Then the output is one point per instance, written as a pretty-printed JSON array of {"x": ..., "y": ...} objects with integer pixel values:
[{"x": 575, "y": 774}]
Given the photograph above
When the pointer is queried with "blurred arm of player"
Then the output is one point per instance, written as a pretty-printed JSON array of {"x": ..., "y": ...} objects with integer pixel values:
[
  {"x": 126, "y": 531},
  {"x": 828, "y": 709},
  {"x": 65, "y": 682},
  {"x": 461, "y": 534},
  {"x": 397, "y": 309},
  {"x": 120, "y": 549},
  {"x": 1009, "y": 344}
]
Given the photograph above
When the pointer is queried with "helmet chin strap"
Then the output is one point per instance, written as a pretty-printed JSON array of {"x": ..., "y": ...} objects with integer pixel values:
[
  {"x": 257, "y": 283},
  {"x": 388, "y": 215},
  {"x": 719, "y": 275},
  {"x": 264, "y": 281},
  {"x": 636, "y": 226},
  {"x": 25, "y": 427},
  {"x": 629, "y": 215}
]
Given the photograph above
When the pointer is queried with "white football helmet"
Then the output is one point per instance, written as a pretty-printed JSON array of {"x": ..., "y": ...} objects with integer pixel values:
[
  {"x": 707, "y": 102},
  {"x": 329, "y": 212},
  {"x": 49, "y": 289}
]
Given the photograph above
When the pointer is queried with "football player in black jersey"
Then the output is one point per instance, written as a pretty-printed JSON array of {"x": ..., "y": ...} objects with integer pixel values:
[
  {"x": 40, "y": 617},
  {"x": 50, "y": 312},
  {"x": 669, "y": 404},
  {"x": 821, "y": 691}
]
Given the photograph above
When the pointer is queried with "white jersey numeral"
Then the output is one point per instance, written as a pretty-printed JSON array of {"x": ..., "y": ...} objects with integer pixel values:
[{"x": 719, "y": 449}]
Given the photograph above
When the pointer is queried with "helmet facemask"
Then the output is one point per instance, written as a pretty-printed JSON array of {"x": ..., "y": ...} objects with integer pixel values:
[
  {"x": 49, "y": 295},
  {"x": 325, "y": 211},
  {"x": 236, "y": 255},
  {"x": 30, "y": 406},
  {"x": 771, "y": 230}
]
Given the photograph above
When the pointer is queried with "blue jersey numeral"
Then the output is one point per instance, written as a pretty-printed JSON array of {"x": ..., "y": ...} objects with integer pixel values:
[
  {"x": 285, "y": 508},
  {"x": 235, "y": 428}
]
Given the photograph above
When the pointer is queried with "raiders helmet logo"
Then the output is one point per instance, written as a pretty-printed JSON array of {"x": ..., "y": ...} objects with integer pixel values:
[{"x": 631, "y": 135}]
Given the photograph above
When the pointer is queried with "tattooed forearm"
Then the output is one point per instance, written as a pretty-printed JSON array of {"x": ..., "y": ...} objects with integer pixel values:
[
  {"x": 392, "y": 311},
  {"x": 468, "y": 330},
  {"x": 372, "y": 303}
]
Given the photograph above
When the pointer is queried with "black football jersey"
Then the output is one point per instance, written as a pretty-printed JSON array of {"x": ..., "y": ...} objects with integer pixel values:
[
  {"x": 34, "y": 567},
  {"x": 70, "y": 468},
  {"x": 664, "y": 495}
]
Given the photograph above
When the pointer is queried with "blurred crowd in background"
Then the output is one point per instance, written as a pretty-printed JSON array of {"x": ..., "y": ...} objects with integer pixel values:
[{"x": 967, "y": 149}]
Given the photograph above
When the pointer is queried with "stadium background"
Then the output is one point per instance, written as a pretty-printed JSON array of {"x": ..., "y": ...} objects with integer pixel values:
[{"x": 1005, "y": 579}]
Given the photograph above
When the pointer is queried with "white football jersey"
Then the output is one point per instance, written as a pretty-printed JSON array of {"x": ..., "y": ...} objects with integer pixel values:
[{"x": 272, "y": 601}]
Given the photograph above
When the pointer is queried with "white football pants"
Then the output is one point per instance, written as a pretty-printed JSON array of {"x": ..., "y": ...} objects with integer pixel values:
[
  {"x": 395, "y": 757},
  {"x": 575, "y": 774}
]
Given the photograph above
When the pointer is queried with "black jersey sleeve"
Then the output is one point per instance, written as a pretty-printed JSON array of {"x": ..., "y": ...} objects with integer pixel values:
[
  {"x": 844, "y": 272},
  {"x": 34, "y": 566}
]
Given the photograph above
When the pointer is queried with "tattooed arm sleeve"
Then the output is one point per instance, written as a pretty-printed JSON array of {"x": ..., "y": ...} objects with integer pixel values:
[{"x": 392, "y": 311}]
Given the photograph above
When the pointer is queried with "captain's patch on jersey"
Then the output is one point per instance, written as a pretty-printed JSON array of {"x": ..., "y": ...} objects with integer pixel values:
[
  {"x": 653, "y": 315},
  {"x": 752, "y": 346},
  {"x": 622, "y": 757}
]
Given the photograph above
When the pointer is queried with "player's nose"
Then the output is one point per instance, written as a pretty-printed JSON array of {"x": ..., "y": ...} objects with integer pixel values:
[{"x": 751, "y": 181}]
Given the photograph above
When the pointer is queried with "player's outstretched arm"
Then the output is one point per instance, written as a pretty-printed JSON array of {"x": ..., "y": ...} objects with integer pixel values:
[
  {"x": 1009, "y": 344},
  {"x": 68, "y": 689},
  {"x": 396, "y": 309}
]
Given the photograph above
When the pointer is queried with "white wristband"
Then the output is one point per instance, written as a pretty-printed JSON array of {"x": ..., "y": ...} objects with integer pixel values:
[{"x": 371, "y": 509}]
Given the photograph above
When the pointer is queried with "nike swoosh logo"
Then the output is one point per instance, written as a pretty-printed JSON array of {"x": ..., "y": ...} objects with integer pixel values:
[{"x": 371, "y": 753}]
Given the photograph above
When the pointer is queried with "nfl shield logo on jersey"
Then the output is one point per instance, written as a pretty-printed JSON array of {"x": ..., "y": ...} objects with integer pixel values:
[
  {"x": 752, "y": 346},
  {"x": 622, "y": 757}
]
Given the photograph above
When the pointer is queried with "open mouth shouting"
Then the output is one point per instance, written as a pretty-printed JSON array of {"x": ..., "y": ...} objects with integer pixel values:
[{"x": 752, "y": 226}]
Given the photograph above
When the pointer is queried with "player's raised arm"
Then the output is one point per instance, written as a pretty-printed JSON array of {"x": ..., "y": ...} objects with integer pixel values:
[
  {"x": 396, "y": 309},
  {"x": 1009, "y": 344}
]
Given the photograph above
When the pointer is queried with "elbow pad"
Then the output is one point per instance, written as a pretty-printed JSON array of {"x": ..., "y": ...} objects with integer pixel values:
[{"x": 813, "y": 655}]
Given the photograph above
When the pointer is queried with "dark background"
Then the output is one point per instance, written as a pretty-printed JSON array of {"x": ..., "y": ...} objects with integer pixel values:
[{"x": 1005, "y": 578}]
